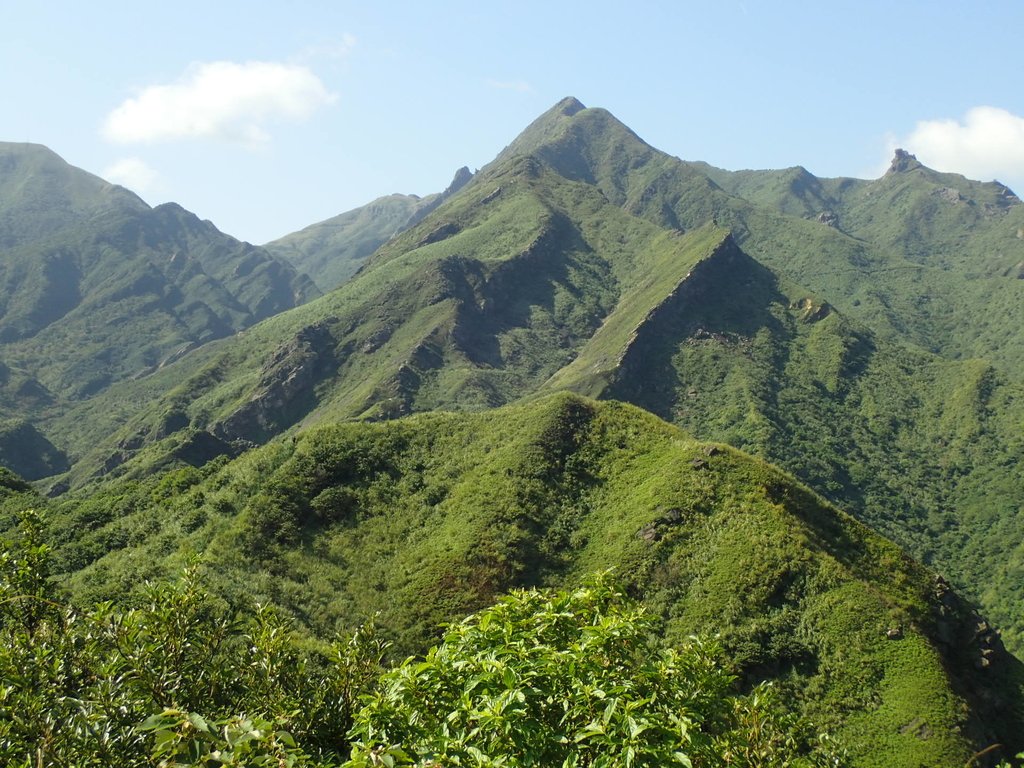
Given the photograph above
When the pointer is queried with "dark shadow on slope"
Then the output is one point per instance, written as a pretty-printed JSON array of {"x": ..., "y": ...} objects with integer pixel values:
[{"x": 725, "y": 301}]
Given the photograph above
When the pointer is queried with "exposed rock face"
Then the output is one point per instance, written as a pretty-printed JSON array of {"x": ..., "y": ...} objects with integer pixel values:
[
  {"x": 657, "y": 529},
  {"x": 812, "y": 311},
  {"x": 286, "y": 389},
  {"x": 902, "y": 162},
  {"x": 949, "y": 194},
  {"x": 829, "y": 219},
  {"x": 442, "y": 232},
  {"x": 971, "y": 645}
]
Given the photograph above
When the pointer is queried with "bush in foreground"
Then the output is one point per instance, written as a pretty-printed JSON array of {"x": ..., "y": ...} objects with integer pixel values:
[{"x": 572, "y": 679}]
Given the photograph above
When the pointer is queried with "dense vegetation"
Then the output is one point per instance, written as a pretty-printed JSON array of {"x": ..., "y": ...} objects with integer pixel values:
[
  {"x": 96, "y": 287},
  {"x": 583, "y": 259},
  {"x": 540, "y": 679},
  {"x": 862, "y": 335},
  {"x": 425, "y": 519}
]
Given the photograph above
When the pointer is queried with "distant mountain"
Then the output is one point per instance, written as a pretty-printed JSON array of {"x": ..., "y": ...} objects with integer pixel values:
[
  {"x": 584, "y": 259},
  {"x": 865, "y": 336},
  {"x": 97, "y": 287},
  {"x": 331, "y": 251}
]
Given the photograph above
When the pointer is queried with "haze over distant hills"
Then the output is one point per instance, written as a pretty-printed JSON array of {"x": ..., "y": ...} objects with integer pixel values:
[
  {"x": 97, "y": 287},
  {"x": 863, "y": 335}
]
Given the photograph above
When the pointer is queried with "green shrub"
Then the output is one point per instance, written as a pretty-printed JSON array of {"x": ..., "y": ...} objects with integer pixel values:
[{"x": 572, "y": 679}]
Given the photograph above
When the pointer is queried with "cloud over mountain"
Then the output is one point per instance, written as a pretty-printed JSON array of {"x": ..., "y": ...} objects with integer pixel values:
[
  {"x": 219, "y": 100},
  {"x": 988, "y": 143},
  {"x": 134, "y": 173}
]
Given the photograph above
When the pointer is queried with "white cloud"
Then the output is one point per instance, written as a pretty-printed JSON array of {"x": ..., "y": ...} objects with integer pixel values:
[
  {"x": 987, "y": 144},
  {"x": 511, "y": 85},
  {"x": 219, "y": 100},
  {"x": 133, "y": 173}
]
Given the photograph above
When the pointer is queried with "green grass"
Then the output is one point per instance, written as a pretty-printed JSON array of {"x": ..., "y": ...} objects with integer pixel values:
[{"x": 425, "y": 519}]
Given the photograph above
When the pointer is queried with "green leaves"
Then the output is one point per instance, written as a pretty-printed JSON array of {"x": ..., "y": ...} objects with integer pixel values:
[
  {"x": 187, "y": 739},
  {"x": 228, "y": 688},
  {"x": 571, "y": 679}
]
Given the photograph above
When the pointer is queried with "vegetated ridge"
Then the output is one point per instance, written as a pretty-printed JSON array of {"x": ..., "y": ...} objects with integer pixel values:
[
  {"x": 830, "y": 326},
  {"x": 423, "y": 519},
  {"x": 583, "y": 259},
  {"x": 333, "y": 250},
  {"x": 96, "y": 288}
]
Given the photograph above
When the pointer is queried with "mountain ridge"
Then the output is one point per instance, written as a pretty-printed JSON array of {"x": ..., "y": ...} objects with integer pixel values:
[
  {"x": 441, "y": 512},
  {"x": 347, "y": 455}
]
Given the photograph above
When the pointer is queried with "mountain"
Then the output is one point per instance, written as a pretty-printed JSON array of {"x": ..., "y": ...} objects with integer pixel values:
[
  {"x": 938, "y": 257},
  {"x": 97, "y": 287},
  {"x": 863, "y": 335},
  {"x": 331, "y": 251},
  {"x": 424, "y": 519},
  {"x": 584, "y": 259}
]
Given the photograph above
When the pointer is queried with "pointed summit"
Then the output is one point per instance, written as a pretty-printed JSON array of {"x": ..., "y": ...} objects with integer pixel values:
[
  {"x": 462, "y": 177},
  {"x": 902, "y": 162},
  {"x": 545, "y": 128},
  {"x": 569, "y": 106}
]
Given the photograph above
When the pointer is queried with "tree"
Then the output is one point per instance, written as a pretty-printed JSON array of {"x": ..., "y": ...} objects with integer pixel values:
[{"x": 572, "y": 679}]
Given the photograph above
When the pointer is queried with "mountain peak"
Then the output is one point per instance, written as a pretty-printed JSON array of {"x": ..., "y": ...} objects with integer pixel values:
[
  {"x": 568, "y": 106},
  {"x": 462, "y": 177},
  {"x": 903, "y": 161},
  {"x": 542, "y": 130}
]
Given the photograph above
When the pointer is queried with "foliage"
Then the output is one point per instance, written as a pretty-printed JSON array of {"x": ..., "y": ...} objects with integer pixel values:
[
  {"x": 180, "y": 679},
  {"x": 427, "y": 519},
  {"x": 571, "y": 679}
]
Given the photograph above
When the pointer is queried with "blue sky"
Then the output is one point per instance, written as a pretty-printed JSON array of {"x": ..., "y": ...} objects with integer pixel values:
[{"x": 266, "y": 119}]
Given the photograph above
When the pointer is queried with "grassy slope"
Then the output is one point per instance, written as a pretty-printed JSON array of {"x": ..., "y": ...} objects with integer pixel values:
[
  {"x": 331, "y": 251},
  {"x": 427, "y": 518},
  {"x": 554, "y": 269},
  {"x": 97, "y": 287},
  {"x": 735, "y": 355},
  {"x": 939, "y": 260}
]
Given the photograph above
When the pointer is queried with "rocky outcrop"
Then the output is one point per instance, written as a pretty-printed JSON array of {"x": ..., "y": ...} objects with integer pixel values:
[
  {"x": 980, "y": 667},
  {"x": 286, "y": 390},
  {"x": 902, "y": 162},
  {"x": 442, "y": 232},
  {"x": 829, "y": 219},
  {"x": 949, "y": 194}
]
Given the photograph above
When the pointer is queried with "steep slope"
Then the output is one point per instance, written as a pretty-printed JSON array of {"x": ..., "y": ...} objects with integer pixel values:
[
  {"x": 940, "y": 256},
  {"x": 97, "y": 287},
  {"x": 331, "y": 251},
  {"x": 426, "y": 518},
  {"x": 41, "y": 195},
  {"x": 923, "y": 449},
  {"x": 583, "y": 259}
]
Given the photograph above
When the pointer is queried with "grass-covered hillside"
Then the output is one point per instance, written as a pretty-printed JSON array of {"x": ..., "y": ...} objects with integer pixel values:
[
  {"x": 583, "y": 259},
  {"x": 96, "y": 287},
  {"x": 333, "y": 250},
  {"x": 863, "y": 336},
  {"x": 427, "y": 518}
]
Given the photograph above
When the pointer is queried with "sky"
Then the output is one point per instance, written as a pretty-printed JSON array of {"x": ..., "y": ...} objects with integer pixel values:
[{"x": 268, "y": 117}]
